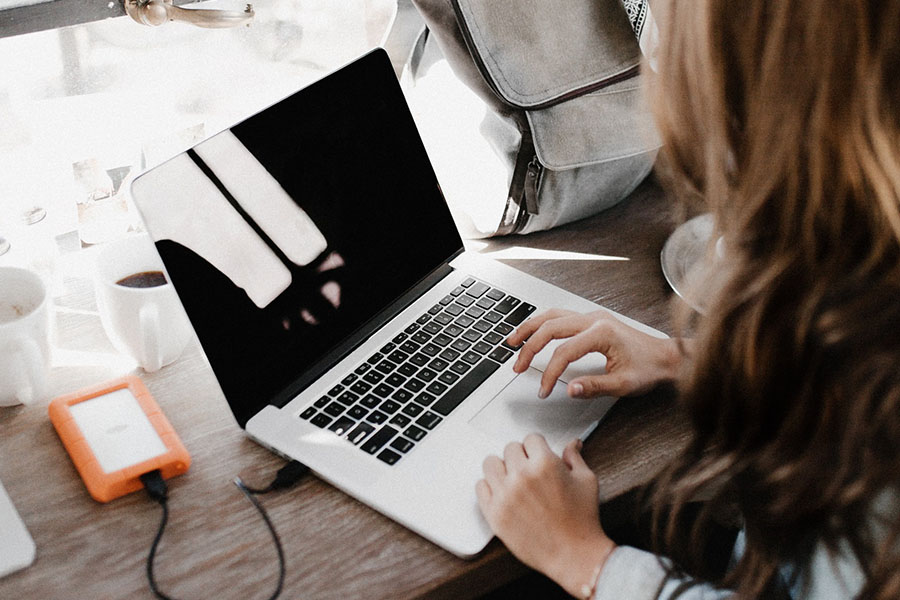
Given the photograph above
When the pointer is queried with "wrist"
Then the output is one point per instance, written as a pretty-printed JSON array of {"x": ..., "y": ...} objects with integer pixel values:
[{"x": 578, "y": 569}]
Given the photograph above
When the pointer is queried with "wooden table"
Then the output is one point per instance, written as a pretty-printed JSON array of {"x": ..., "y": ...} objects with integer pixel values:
[{"x": 216, "y": 546}]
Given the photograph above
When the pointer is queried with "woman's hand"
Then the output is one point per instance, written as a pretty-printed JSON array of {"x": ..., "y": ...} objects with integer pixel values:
[
  {"x": 635, "y": 362},
  {"x": 546, "y": 510}
]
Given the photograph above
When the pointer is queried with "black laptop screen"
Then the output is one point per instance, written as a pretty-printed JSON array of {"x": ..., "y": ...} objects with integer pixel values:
[{"x": 318, "y": 213}]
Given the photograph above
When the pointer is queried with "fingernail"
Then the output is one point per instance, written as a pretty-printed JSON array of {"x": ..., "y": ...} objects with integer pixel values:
[
  {"x": 577, "y": 389},
  {"x": 543, "y": 393},
  {"x": 579, "y": 445}
]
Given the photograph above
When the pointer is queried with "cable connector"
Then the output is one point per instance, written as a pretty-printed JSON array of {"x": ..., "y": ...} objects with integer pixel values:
[
  {"x": 156, "y": 486},
  {"x": 286, "y": 476}
]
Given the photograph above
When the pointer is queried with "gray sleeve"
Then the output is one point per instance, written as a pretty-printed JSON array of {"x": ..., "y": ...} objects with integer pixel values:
[{"x": 633, "y": 574}]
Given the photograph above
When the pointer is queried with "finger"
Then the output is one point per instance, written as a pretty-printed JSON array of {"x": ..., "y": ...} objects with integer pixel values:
[
  {"x": 554, "y": 329},
  {"x": 494, "y": 470},
  {"x": 572, "y": 456},
  {"x": 484, "y": 494},
  {"x": 514, "y": 457},
  {"x": 524, "y": 331},
  {"x": 536, "y": 446},
  {"x": 593, "y": 386},
  {"x": 594, "y": 339}
]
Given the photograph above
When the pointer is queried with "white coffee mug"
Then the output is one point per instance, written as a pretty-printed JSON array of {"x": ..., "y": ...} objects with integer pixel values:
[
  {"x": 147, "y": 323},
  {"x": 24, "y": 336}
]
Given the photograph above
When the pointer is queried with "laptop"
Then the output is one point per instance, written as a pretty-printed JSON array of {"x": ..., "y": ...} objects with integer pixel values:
[{"x": 317, "y": 260}]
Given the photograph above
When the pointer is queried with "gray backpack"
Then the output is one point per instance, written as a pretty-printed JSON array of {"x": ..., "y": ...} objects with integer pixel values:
[{"x": 562, "y": 81}]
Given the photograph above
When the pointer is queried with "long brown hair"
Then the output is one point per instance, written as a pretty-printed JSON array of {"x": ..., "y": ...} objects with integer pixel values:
[{"x": 783, "y": 117}]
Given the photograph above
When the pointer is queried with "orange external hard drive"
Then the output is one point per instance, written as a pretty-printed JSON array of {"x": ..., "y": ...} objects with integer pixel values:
[{"x": 115, "y": 433}]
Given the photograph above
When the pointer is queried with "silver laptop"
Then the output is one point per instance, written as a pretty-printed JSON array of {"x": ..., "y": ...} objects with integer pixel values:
[{"x": 318, "y": 262}]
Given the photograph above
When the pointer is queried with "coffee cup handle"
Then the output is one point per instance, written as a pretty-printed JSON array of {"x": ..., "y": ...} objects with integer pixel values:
[
  {"x": 151, "y": 357},
  {"x": 29, "y": 378}
]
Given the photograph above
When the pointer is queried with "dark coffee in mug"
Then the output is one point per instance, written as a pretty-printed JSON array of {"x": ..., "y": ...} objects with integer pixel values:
[{"x": 144, "y": 279}]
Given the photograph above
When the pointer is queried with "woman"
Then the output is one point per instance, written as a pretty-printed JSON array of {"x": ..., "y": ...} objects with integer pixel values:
[{"x": 784, "y": 117}]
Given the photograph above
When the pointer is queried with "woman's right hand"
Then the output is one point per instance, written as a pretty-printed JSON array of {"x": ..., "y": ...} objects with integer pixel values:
[{"x": 635, "y": 362}]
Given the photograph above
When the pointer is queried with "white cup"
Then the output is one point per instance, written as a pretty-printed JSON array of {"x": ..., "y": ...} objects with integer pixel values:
[
  {"x": 147, "y": 323},
  {"x": 24, "y": 336}
]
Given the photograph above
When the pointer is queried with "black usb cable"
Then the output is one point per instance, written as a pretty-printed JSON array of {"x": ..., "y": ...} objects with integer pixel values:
[{"x": 157, "y": 489}]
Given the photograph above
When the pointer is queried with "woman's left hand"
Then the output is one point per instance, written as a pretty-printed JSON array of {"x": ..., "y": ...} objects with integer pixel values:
[{"x": 546, "y": 510}]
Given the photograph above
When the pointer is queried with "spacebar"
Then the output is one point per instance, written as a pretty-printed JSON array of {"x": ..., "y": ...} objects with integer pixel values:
[{"x": 464, "y": 387}]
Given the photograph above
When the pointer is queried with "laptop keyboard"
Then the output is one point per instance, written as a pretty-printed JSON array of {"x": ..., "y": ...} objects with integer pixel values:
[{"x": 397, "y": 396}]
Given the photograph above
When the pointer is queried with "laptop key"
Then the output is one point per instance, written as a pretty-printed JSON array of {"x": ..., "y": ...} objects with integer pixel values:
[
  {"x": 435, "y": 309},
  {"x": 482, "y": 326},
  {"x": 370, "y": 401},
  {"x": 482, "y": 348},
  {"x": 412, "y": 409},
  {"x": 426, "y": 375},
  {"x": 389, "y": 456},
  {"x": 465, "y": 386},
  {"x": 423, "y": 319},
  {"x": 411, "y": 329},
  {"x": 438, "y": 364},
  {"x": 446, "y": 300},
  {"x": 381, "y": 437},
  {"x": 449, "y": 377},
  {"x": 500, "y": 354},
  {"x": 359, "y": 433},
  {"x": 471, "y": 357},
  {"x": 309, "y": 412},
  {"x": 386, "y": 366},
  {"x": 442, "y": 339},
  {"x": 349, "y": 379},
  {"x": 485, "y": 303},
  {"x": 469, "y": 281},
  {"x": 388, "y": 348},
  {"x": 361, "y": 369},
  {"x": 460, "y": 367},
  {"x": 376, "y": 417},
  {"x": 400, "y": 420},
  {"x": 449, "y": 354},
  {"x": 320, "y": 420},
  {"x": 398, "y": 356},
  {"x": 402, "y": 444},
  {"x": 443, "y": 318},
  {"x": 414, "y": 385},
  {"x": 432, "y": 328},
  {"x": 453, "y": 330},
  {"x": 400, "y": 338},
  {"x": 334, "y": 409},
  {"x": 357, "y": 412},
  {"x": 342, "y": 425},
  {"x": 457, "y": 290},
  {"x": 407, "y": 370},
  {"x": 436, "y": 387},
  {"x": 503, "y": 329},
  {"x": 335, "y": 390},
  {"x": 360, "y": 387},
  {"x": 472, "y": 335},
  {"x": 507, "y": 305},
  {"x": 495, "y": 294},
  {"x": 402, "y": 396},
  {"x": 430, "y": 349},
  {"x": 383, "y": 390},
  {"x": 465, "y": 301},
  {"x": 493, "y": 317},
  {"x": 520, "y": 314},
  {"x": 461, "y": 345},
  {"x": 478, "y": 290},
  {"x": 347, "y": 398},
  {"x": 389, "y": 406},
  {"x": 414, "y": 433},
  {"x": 375, "y": 358},
  {"x": 373, "y": 377},
  {"x": 395, "y": 380},
  {"x": 322, "y": 401},
  {"x": 419, "y": 359},
  {"x": 429, "y": 420},
  {"x": 425, "y": 399},
  {"x": 420, "y": 337},
  {"x": 454, "y": 310},
  {"x": 409, "y": 347},
  {"x": 493, "y": 338}
]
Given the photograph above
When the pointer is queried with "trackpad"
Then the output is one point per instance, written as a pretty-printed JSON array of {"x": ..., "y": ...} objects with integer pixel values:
[{"x": 517, "y": 411}]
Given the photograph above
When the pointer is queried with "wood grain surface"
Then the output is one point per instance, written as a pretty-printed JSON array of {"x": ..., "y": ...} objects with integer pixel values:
[{"x": 217, "y": 547}]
